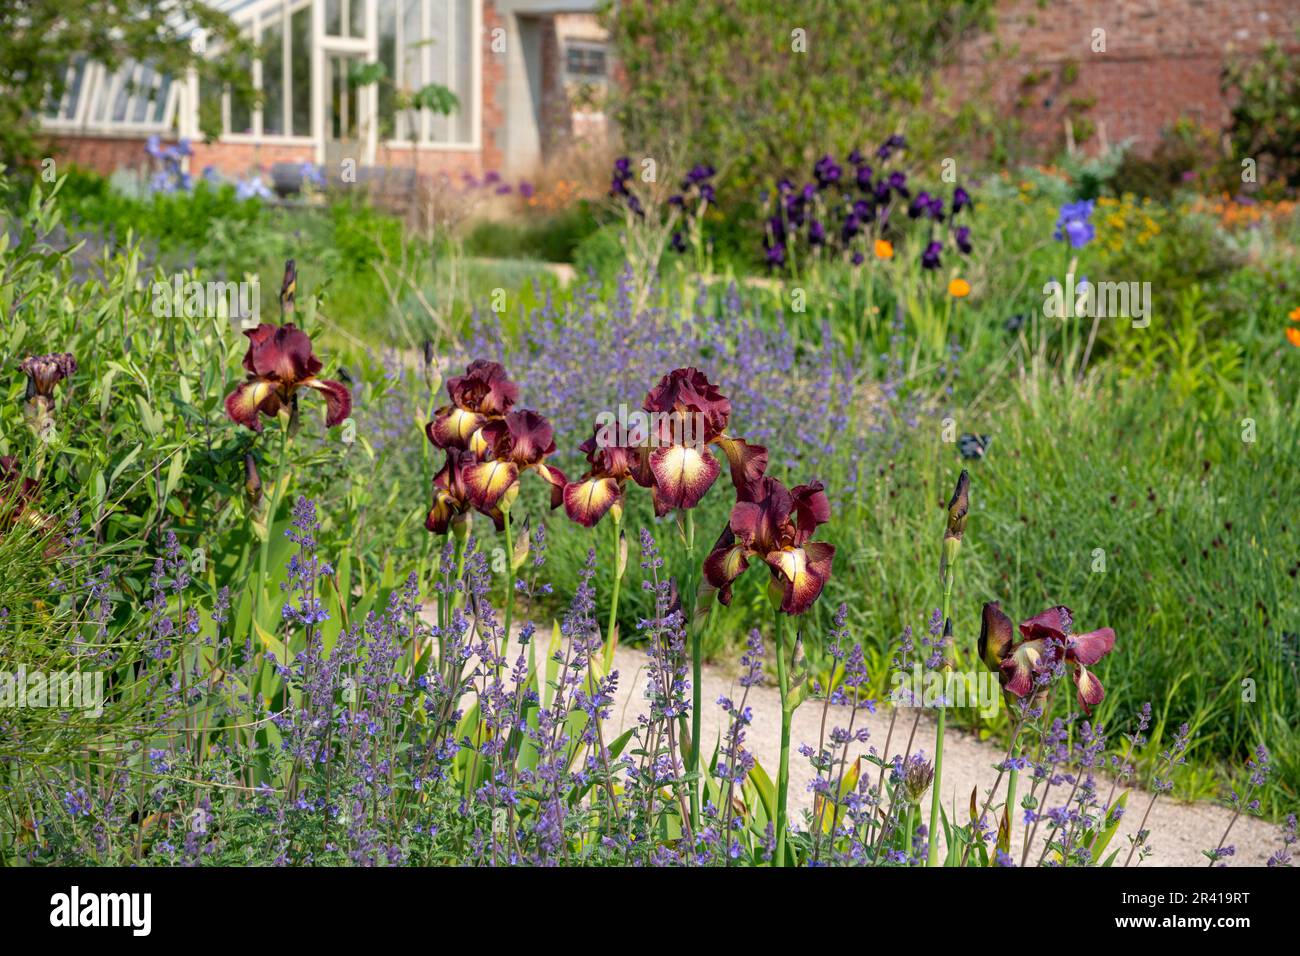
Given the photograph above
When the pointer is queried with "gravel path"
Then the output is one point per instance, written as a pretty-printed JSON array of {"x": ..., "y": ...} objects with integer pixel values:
[{"x": 1179, "y": 831}]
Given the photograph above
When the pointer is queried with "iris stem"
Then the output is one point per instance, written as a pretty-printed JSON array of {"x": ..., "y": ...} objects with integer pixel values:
[
  {"x": 688, "y": 605},
  {"x": 783, "y": 771},
  {"x": 1012, "y": 780},
  {"x": 510, "y": 584},
  {"x": 277, "y": 496},
  {"x": 613, "y": 601},
  {"x": 935, "y": 797}
]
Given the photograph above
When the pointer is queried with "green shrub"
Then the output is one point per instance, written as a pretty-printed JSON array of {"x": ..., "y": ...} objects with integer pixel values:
[{"x": 727, "y": 83}]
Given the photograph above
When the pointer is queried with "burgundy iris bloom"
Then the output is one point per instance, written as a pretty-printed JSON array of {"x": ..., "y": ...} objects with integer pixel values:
[
  {"x": 601, "y": 489},
  {"x": 16, "y": 492},
  {"x": 279, "y": 361},
  {"x": 483, "y": 394},
  {"x": 517, "y": 443},
  {"x": 45, "y": 371},
  {"x": 450, "y": 496},
  {"x": 683, "y": 468},
  {"x": 1046, "y": 640},
  {"x": 775, "y": 524}
]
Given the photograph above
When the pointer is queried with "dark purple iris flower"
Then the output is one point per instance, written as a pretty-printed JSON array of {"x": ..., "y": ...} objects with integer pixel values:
[
  {"x": 930, "y": 258},
  {"x": 960, "y": 200},
  {"x": 864, "y": 210},
  {"x": 888, "y": 146},
  {"x": 827, "y": 171},
  {"x": 678, "y": 242},
  {"x": 855, "y": 158},
  {"x": 898, "y": 183},
  {"x": 699, "y": 173},
  {"x": 776, "y": 227},
  {"x": 776, "y": 254},
  {"x": 919, "y": 206},
  {"x": 863, "y": 177},
  {"x": 850, "y": 228},
  {"x": 676, "y": 199},
  {"x": 882, "y": 192},
  {"x": 707, "y": 193},
  {"x": 963, "y": 239},
  {"x": 858, "y": 258},
  {"x": 816, "y": 233}
]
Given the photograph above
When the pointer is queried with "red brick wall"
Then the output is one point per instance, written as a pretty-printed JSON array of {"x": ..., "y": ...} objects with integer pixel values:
[
  {"x": 1162, "y": 61},
  {"x": 236, "y": 160},
  {"x": 101, "y": 153}
]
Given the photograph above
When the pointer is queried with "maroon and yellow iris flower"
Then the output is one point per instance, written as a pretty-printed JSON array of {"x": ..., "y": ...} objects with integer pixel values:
[
  {"x": 16, "y": 492},
  {"x": 688, "y": 414},
  {"x": 450, "y": 497},
  {"x": 1045, "y": 640},
  {"x": 775, "y": 524},
  {"x": 600, "y": 490},
  {"x": 279, "y": 361},
  {"x": 45, "y": 371},
  {"x": 517, "y": 443},
  {"x": 482, "y": 395}
]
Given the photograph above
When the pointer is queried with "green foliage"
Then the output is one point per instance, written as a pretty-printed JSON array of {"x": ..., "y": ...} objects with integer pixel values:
[
  {"x": 179, "y": 221},
  {"x": 1265, "y": 91},
  {"x": 554, "y": 238},
  {"x": 726, "y": 81}
]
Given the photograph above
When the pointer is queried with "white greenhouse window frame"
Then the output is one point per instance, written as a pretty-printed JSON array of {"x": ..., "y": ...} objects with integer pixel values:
[{"x": 177, "y": 98}]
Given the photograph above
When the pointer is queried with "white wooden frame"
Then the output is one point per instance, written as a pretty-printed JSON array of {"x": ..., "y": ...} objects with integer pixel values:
[{"x": 181, "y": 108}]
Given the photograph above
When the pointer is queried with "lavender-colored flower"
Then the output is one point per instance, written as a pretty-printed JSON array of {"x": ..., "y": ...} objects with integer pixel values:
[{"x": 1073, "y": 224}]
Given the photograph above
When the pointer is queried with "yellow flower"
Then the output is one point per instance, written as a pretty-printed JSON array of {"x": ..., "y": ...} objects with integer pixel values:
[
  {"x": 884, "y": 249},
  {"x": 959, "y": 288}
]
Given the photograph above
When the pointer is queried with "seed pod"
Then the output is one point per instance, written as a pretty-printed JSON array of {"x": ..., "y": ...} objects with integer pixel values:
[
  {"x": 252, "y": 481},
  {"x": 288, "y": 289}
]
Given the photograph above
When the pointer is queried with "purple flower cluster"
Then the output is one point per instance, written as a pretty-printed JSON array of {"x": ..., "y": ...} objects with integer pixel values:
[
  {"x": 168, "y": 175},
  {"x": 618, "y": 185},
  {"x": 693, "y": 201},
  {"x": 588, "y": 361},
  {"x": 838, "y": 212}
]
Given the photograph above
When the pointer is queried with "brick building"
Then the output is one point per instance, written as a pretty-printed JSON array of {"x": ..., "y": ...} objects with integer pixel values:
[
  {"x": 522, "y": 72},
  {"x": 531, "y": 78},
  {"x": 1155, "y": 62}
]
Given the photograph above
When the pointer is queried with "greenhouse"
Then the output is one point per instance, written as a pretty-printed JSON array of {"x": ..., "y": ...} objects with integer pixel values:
[{"x": 506, "y": 63}]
